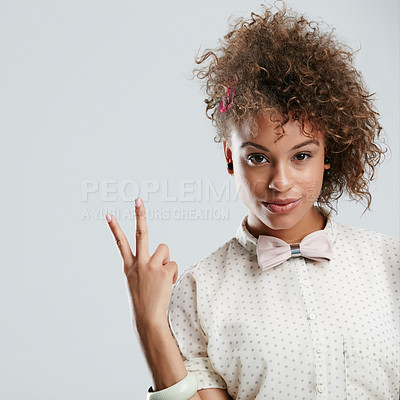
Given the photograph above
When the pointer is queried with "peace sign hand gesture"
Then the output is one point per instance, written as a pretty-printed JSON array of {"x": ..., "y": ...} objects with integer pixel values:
[
  {"x": 150, "y": 277},
  {"x": 150, "y": 280}
]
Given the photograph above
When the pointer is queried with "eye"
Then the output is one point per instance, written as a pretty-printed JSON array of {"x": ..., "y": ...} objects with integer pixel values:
[
  {"x": 257, "y": 159},
  {"x": 302, "y": 156}
]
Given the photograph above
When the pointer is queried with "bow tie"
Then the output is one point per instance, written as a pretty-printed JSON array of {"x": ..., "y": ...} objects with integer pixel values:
[{"x": 272, "y": 251}]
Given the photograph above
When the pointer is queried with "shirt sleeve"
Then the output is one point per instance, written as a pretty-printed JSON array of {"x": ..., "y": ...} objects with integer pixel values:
[{"x": 189, "y": 335}]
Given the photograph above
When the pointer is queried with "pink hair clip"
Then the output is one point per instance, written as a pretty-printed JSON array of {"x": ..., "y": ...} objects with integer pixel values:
[{"x": 227, "y": 101}]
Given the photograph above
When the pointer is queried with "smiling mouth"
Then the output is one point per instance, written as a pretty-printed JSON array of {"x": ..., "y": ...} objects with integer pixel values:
[{"x": 281, "y": 206}]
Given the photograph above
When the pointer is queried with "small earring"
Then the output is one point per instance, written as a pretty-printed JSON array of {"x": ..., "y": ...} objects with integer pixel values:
[
  {"x": 327, "y": 160},
  {"x": 230, "y": 165}
]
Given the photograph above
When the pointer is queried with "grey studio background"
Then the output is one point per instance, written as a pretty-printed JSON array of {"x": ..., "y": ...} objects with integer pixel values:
[{"x": 97, "y": 107}]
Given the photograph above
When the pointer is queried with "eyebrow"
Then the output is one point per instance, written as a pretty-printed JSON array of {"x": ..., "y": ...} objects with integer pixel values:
[{"x": 297, "y": 146}]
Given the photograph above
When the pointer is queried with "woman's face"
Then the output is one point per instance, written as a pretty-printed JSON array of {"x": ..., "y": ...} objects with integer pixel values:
[{"x": 278, "y": 178}]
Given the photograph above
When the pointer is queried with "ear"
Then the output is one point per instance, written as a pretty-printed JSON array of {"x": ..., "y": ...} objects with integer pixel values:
[
  {"x": 327, "y": 162},
  {"x": 228, "y": 155},
  {"x": 227, "y": 151}
]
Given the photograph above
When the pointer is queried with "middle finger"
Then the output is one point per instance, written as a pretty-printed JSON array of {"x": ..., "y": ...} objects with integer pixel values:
[{"x": 142, "y": 233}]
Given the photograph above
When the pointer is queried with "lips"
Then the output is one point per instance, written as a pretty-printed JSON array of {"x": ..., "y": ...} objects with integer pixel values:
[
  {"x": 282, "y": 201},
  {"x": 281, "y": 206}
]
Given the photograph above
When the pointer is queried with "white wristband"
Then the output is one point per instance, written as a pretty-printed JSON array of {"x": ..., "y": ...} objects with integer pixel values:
[{"x": 183, "y": 390}]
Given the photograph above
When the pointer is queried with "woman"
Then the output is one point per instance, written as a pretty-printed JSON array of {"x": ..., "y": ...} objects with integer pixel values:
[{"x": 295, "y": 305}]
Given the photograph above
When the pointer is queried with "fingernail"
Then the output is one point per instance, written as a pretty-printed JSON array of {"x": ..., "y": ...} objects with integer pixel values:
[
  {"x": 108, "y": 217},
  {"x": 137, "y": 202}
]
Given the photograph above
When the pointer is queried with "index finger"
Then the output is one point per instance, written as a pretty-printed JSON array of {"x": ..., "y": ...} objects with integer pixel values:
[
  {"x": 142, "y": 233},
  {"x": 120, "y": 239}
]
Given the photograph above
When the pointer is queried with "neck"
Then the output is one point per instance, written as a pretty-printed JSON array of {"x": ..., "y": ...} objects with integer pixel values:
[{"x": 312, "y": 222}]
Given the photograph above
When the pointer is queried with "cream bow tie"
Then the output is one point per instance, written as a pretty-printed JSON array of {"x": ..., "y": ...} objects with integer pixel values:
[{"x": 272, "y": 251}]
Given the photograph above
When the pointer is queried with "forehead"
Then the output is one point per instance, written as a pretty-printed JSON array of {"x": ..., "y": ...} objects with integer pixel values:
[{"x": 270, "y": 131}]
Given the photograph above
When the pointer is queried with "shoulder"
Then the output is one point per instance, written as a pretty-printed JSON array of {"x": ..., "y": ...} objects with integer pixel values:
[
  {"x": 208, "y": 273},
  {"x": 367, "y": 245},
  {"x": 213, "y": 264},
  {"x": 352, "y": 234}
]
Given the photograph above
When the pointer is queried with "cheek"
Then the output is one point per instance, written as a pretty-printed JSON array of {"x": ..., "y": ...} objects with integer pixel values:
[
  {"x": 250, "y": 185},
  {"x": 312, "y": 183}
]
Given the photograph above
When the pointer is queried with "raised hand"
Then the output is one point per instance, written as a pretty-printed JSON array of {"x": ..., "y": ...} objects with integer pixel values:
[
  {"x": 150, "y": 277},
  {"x": 150, "y": 280}
]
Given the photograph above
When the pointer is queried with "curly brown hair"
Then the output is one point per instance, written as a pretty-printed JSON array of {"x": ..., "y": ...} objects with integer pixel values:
[{"x": 281, "y": 62}]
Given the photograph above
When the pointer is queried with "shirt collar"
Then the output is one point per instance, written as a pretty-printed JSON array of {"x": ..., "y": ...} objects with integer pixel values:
[{"x": 249, "y": 242}]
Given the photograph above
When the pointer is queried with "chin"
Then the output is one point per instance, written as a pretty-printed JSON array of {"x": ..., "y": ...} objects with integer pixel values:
[{"x": 279, "y": 225}]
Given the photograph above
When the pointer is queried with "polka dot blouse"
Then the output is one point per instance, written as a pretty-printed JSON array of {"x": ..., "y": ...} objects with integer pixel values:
[{"x": 301, "y": 330}]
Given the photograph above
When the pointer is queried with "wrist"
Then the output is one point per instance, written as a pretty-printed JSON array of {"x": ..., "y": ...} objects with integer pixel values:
[{"x": 185, "y": 389}]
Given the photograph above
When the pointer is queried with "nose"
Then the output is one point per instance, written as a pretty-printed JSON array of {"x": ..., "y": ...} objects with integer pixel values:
[{"x": 281, "y": 179}]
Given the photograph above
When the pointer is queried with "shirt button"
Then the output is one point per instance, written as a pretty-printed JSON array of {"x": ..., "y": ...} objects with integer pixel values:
[
  {"x": 312, "y": 316},
  {"x": 304, "y": 282},
  {"x": 321, "y": 389},
  {"x": 319, "y": 350}
]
